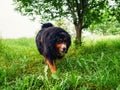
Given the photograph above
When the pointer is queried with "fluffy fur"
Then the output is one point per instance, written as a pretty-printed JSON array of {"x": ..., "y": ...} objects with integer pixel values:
[{"x": 52, "y": 42}]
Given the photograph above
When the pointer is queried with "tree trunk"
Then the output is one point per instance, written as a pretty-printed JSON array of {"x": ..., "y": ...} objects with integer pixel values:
[{"x": 78, "y": 28}]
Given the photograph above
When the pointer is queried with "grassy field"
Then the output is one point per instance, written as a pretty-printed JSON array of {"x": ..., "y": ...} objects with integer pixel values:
[{"x": 93, "y": 66}]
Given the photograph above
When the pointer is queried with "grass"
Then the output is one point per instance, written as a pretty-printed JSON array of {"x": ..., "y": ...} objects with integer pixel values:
[{"x": 93, "y": 66}]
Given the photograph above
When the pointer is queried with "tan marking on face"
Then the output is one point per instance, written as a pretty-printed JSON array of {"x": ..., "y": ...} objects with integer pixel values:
[{"x": 64, "y": 38}]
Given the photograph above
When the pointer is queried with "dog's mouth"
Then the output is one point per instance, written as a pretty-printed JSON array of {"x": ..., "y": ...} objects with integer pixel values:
[
  {"x": 63, "y": 51},
  {"x": 61, "y": 54}
]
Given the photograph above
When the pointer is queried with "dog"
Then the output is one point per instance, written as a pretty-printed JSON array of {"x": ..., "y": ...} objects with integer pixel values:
[{"x": 53, "y": 43}]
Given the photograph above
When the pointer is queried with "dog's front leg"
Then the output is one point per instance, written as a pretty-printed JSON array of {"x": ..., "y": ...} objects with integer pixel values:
[{"x": 52, "y": 65}]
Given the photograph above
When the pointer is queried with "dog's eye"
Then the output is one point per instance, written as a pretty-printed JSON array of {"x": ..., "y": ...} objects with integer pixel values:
[{"x": 59, "y": 41}]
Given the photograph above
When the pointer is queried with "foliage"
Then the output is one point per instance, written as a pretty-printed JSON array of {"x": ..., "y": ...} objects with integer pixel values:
[
  {"x": 89, "y": 11},
  {"x": 116, "y": 9},
  {"x": 93, "y": 66},
  {"x": 106, "y": 28}
]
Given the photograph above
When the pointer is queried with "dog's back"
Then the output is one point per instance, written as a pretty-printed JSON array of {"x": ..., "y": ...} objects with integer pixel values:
[{"x": 40, "y": 35}]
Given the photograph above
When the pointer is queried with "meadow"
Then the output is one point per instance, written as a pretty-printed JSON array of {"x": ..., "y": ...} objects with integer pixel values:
[{"x": 93, "y": 66}]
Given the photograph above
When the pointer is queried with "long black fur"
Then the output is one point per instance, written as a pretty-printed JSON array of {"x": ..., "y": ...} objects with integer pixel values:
[{"x": 46, "y": 40}]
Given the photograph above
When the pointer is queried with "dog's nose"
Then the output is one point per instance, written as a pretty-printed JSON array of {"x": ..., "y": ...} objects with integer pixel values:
[{"x": 64, "y": 49}]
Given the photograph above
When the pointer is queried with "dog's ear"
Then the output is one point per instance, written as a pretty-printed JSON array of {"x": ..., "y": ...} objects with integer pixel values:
[{"x": 67, "y": 35}]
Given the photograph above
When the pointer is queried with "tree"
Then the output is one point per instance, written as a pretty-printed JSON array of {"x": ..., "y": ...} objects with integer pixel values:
[{"x": 83, "y": 13}]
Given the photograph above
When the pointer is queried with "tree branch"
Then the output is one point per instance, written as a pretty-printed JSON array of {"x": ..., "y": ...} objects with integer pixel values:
[
  {"x": 78, "y": 9},
  {"x": 72, "y": 11}
]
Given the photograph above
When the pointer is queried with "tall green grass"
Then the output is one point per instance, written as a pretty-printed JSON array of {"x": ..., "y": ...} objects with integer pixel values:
[{"x": 93, "y": 66}]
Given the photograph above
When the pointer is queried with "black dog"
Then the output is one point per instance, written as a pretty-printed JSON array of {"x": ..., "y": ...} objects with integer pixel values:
[{"x": 52, "y": 42}]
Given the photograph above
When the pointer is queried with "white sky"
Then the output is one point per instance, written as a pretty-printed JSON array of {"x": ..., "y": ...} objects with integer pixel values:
[{"x": 12, "y": 24}]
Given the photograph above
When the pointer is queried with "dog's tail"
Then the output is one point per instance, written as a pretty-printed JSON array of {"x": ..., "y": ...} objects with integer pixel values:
[{"x": 46, "y": 25}]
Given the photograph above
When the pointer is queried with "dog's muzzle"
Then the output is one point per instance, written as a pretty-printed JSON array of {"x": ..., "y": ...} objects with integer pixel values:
[{"x": 64, "y": 48}]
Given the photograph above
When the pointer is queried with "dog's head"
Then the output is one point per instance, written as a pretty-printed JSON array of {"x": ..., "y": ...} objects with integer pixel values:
[
  {"x": 63, "y": 42},
  {"x": 57, "y": 42}
]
